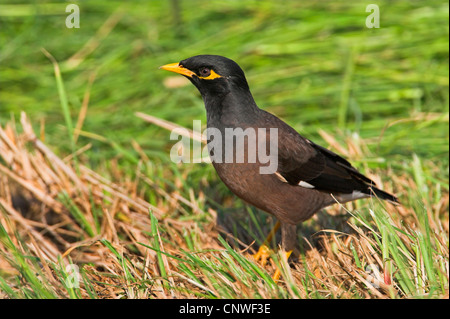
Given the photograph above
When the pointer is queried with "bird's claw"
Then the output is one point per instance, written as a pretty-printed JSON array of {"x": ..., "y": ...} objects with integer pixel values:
[{"x": 262, "y": 255}]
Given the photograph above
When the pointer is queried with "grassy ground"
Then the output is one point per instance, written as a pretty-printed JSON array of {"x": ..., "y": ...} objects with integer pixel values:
[{"x": 86, "y": 182}]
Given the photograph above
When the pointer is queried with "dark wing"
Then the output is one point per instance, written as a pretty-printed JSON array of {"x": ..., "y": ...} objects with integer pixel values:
[
  {"x": 300, "y": 160},
  {"x": 323, "y": 169}
]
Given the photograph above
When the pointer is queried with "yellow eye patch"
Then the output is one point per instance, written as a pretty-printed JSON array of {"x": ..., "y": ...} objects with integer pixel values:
[{"x": 212, "y": 76}]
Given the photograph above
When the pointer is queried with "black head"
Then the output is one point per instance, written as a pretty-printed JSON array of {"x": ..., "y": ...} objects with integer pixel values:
[{"x": 211, "y": 74}]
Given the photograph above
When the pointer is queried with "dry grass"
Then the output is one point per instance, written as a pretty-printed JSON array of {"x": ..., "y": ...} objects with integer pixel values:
[{"x": 55, "y": 212}]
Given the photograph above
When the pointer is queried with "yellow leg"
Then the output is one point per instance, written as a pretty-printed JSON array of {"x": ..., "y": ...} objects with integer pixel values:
[
  {"x": 263, "y": 252},
  {"x": 277, "y": 274}
]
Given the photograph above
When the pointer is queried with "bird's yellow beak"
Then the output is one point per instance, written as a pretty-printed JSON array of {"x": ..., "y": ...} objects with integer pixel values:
[{"x": 177, "y": 68}]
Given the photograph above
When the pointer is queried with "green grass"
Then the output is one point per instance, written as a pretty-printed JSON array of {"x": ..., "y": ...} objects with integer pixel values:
[
  {"x": 297, "y": 61},
  {"x": 381, "y": 95}
]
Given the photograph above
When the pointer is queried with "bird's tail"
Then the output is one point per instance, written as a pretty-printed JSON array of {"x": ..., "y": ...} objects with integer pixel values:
[{"x": 384, "y": 195}]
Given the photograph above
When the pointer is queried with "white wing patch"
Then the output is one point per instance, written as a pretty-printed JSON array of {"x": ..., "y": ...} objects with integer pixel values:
[
  {"x": 305, "y": 184},
  {"x": 301, "y": 183}
]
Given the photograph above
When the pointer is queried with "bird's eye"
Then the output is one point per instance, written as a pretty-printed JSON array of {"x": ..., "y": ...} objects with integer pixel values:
[{"x": 205, "y": 72}]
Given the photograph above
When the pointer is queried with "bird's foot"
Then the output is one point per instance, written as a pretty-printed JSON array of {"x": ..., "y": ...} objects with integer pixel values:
[
  {"x": 285, "y": 254},
  {"x": 263, "y": 255},
  {"x": 264, "y": 251}
]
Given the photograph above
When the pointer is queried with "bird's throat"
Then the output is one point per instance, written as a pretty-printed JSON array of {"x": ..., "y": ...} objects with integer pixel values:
[{"x": 230, "y": 109}]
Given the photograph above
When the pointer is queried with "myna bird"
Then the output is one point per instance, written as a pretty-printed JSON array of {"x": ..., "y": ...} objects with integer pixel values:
[{"x": 308, "y": 177}]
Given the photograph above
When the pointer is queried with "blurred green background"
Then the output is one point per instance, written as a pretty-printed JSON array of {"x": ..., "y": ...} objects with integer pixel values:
[{"x": 315, "y": 64}]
